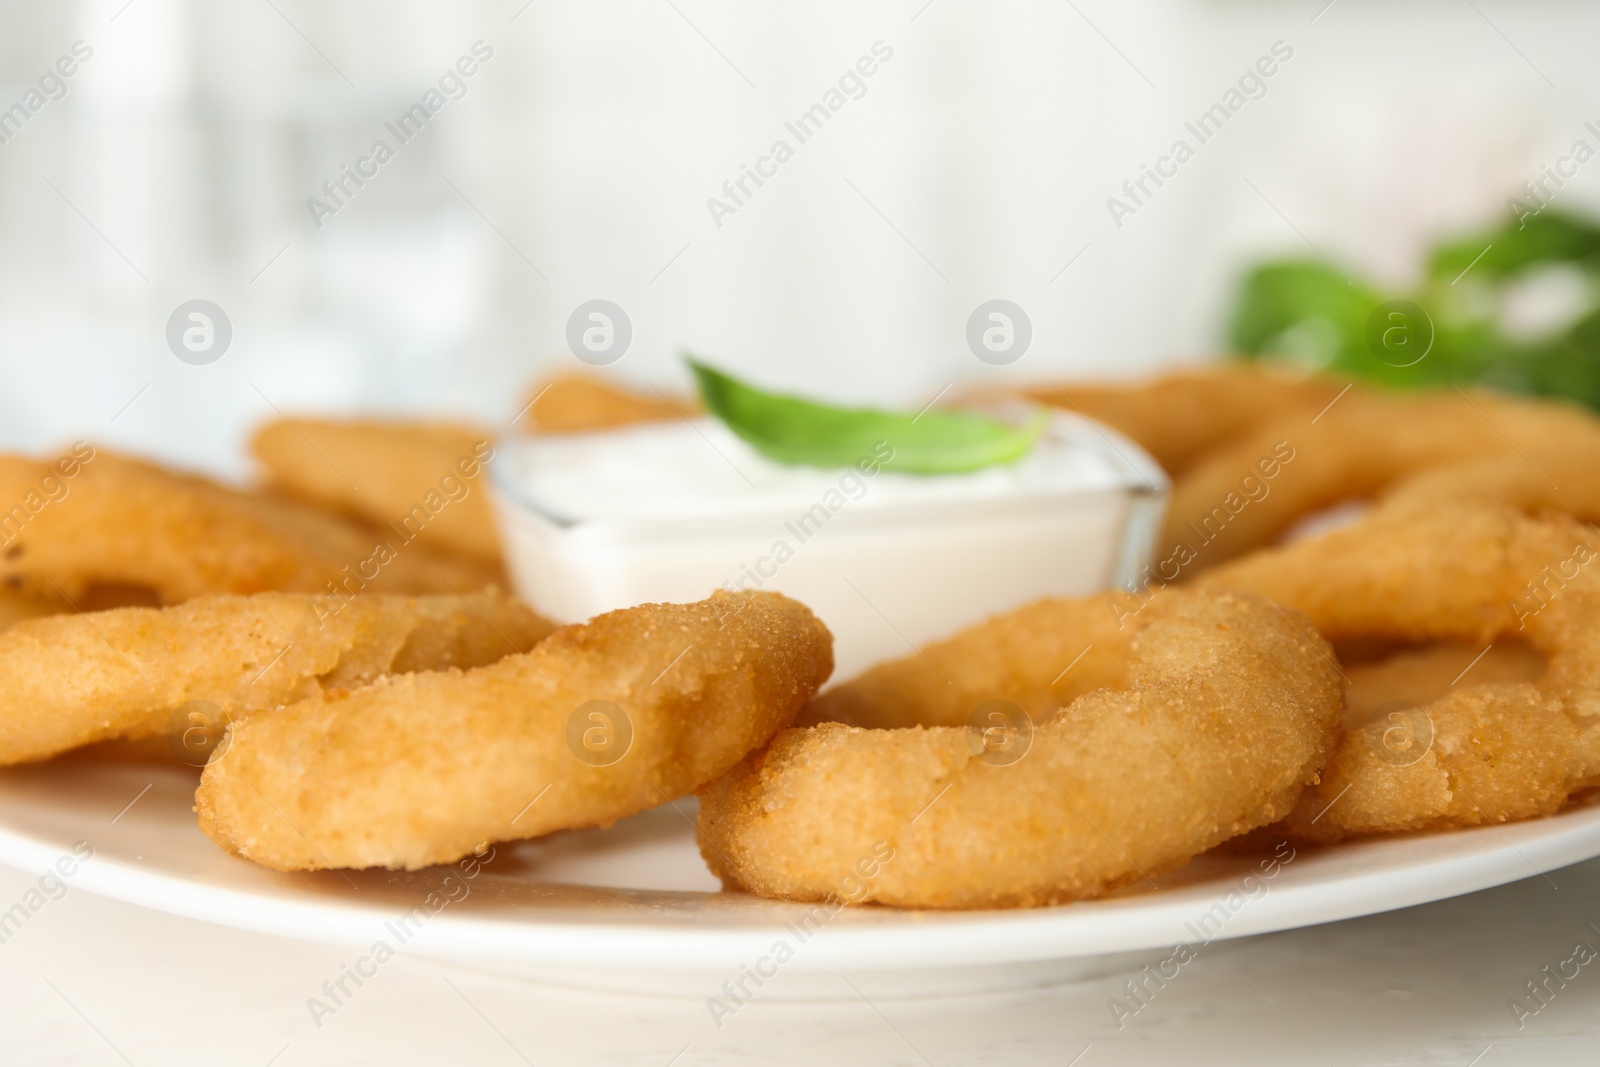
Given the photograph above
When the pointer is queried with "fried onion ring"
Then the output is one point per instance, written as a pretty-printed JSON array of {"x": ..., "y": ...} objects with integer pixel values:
[
  {"x": 1539, "y": 480},
  {"x": 388, "y": 472},
  {"x": 14, "y": 607},
  {"x": 1356, "y": 449},
  {"x": 69, "y": 680},
  {"x": 1486, "y": 751},
  {"x": 128, "y": 523},
  {"x": 580, "y": 403},
  {"x": 1228, "y": 712},
  {"x": 423, "y": 768},
  {"x": 1178, "y": 417},
  {"x": 384, "y": 471},
  {"x": 1041, "y": 657}
]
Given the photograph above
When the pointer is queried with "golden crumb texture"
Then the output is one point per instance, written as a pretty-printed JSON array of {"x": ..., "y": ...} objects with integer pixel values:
[
  {"x": 600, "y": 720},
  {"x": 1225, "y": 710}
]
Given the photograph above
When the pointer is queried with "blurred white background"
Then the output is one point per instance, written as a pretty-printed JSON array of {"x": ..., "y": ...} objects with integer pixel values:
[{"x": 976, "y": 164}]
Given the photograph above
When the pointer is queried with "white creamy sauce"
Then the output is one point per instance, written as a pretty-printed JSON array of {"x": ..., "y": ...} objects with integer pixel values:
[
  {"x": 701, "y": 468},
  {"x": 672, "y": 511}
]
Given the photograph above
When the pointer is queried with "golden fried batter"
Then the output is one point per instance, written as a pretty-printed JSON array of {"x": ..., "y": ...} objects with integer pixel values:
[
  {"x": 422, "y": 479},
  {"x": 1544, "y": 476},
  {"x": 601, "y": 720},
  {"x": 1041, "y": 657},
  {"x": 1356, "y": 449},
  {"x": 1425, "y": 673},
  {"x": 1229, "y": 708},
  {"x": 127, "y": 523},
  {"x": 1178, "y": 417},
  {"x": 14, "y": 606},
  {"x": 69, "y": 680},
  {"x": 1495, "y": 745},
  {"x": 579, "y": 403},
  {"x": 411, "y": 479}
]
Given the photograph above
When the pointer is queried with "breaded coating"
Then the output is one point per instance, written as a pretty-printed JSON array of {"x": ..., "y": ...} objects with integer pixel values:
[
  {"x": 601, "y": 720},
  {"x": 124, "y": 522},
  {"x": 579, "y": 403},
  {"x": 1180, "y": 416},
  {"x": 419, "y": 479},
  {"x": 1546, "y": 476},
  {"x": 1229, "y": 709},
  {"x": 14, "y": 606},
  {"x": 1495, "y": 754},
  {"x": 1492, "y": 746},
  {"x": 1041, "y": 657},
  {"x": 423, "y": 479},
  {"x": 1357, "y": 449},
  {"x": 72, "y": 679},
  {"x": 1423, "y": 674}
]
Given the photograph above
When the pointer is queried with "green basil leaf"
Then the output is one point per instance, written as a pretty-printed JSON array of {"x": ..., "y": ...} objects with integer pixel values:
[
  {"x": 1313, "y": 314},
  {"x": 802, "y": 432}
]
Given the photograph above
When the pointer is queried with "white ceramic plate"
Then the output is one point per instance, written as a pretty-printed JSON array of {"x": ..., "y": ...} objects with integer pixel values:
[{"x": 634, "y": 908}]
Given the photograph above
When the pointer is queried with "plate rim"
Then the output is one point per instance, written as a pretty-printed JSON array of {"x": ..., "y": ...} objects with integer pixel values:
[{"x": 1132, "y": 923}]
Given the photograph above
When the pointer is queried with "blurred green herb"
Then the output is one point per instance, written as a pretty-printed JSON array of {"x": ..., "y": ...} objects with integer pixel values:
[
  {"x": 1516, "y": 308},
  {"x": 803, "y": 432}
]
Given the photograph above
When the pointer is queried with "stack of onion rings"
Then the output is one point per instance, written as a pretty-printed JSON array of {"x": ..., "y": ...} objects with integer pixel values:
[
  {"x": 1361, "y": 447},
  {"x": 165, "y": 537},
  {"x": 1487, "y": 751},
  {"x": 1181, "y": 417},
  {"x": 74, "y": 679}
]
